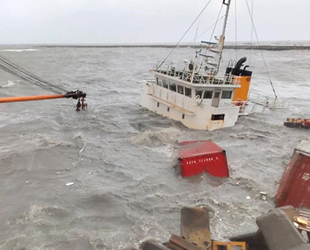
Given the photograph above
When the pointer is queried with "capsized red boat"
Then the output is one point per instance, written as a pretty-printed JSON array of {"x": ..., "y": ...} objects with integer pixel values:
[
  {"x": 294, "y": 186},
  {"x": 197, "y": 157}
]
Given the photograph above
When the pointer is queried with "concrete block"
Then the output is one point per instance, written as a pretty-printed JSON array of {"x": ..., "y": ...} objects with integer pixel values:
[{"x": 280, "y": 233}]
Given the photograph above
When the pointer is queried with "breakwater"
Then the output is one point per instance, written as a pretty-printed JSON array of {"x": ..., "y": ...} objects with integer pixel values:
[{"x": 246, "y": 47}]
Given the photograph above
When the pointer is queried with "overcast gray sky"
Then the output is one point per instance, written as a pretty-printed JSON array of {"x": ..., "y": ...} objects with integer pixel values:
[{"x": 145, "y": 21}]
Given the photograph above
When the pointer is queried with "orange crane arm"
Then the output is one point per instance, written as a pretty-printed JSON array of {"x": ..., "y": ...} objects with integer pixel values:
[
  {"x": 30, "y": 98},
  {"x": 72, "y": 94}
]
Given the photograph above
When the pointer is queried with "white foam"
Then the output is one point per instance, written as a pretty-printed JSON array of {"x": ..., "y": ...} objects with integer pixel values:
[
  {"x": 10, "y": 83},
  {"x": 19, "y": 50},
  {"x": 166, "y": 135}
]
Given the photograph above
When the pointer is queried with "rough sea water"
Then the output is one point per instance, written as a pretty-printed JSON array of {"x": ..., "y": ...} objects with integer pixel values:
[{"x": 121, "y": 157}]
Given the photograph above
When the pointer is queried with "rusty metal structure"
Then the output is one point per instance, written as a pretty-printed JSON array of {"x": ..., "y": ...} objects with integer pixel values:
[
  {"x": 228, "y": 245},
  {"x": 195, "y": 226},
  {"x": 295, "y": 183},
  {"x": 279, "y": 229},
  {"x": 297, "y": 123}
]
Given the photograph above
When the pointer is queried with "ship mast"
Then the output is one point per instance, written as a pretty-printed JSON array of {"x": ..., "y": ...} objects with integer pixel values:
[
  {"x": 221, "y": 40},
  {"x": 226, "y": 16}
]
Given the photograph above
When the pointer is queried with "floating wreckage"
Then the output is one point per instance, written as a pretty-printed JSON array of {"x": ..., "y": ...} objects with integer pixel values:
[
  {"x": 197, "y": 157},
  {"x": 297, "y": 123},
  {"x": 279, "y": 229},
  {"x": 295, "y": 183},
  {"x": 287, "y": 227}
]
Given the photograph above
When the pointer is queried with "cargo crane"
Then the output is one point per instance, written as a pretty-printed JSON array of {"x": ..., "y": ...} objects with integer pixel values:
[{"x": 59, "y": 92}]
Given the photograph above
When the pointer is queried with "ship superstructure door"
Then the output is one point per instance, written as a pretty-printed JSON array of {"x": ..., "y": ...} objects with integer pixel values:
[{"x": 216, "y": 99}]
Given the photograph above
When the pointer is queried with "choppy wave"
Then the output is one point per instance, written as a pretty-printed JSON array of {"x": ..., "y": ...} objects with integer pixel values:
[
  {"x": 43, "y": 215},
  {"x": 19, "y": 50},
  {"x": 149, "y": 137},
  {"x": 248, "y": 135},
  {"x": 121, "y": 157}
]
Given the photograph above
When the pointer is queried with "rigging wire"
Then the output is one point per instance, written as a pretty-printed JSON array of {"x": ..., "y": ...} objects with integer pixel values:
[
  {"x": 19, "y": 71},
  {"x": 12, "y": 68},
  {"x": 236, "y": 31},
  {"x": 25, "y": 78},
  {"x": 29, "y": 78},
  {"x": 184, "y": 35},
  {"x": 254, "y": 29},
  {"x": 217, "y": 19},
  {"x": 196, "y": 34},
  {"x": 211, "y": 26},
  {"x": 252, "y": 13}
]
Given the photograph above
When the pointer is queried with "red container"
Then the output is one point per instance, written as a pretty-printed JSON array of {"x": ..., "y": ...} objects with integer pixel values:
[
  {"x": 196, "y": 157},
  {"x": 294, "y": 186}
]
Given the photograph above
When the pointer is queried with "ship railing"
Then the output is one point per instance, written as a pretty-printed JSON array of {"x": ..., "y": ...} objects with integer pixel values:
[
  {"x": 169, "y": 69},
  {"x": 268, "y": 101},
  {"x": 202, "y": 79},
  {"x": 241, "y": 104}
]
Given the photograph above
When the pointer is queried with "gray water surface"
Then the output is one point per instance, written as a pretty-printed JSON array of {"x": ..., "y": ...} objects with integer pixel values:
[{"x": 121, "y": 157}]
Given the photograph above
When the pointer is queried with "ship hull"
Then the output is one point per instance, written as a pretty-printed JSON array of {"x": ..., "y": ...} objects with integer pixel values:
[{"x": 190, "y": 112}]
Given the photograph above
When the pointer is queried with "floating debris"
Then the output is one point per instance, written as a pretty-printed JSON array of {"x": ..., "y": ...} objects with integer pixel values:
[
  {"x": 195, "y": 226},
  {"x": 297, "y": 123},
  {"x": 296, "y": 179},
  {"x": 81, "y": 150},
  {"x": 196, "y": 157},
  {"x": 69, "y": 183},
  {"x": 278, "y": 229},
  {"x": 263, "y": 196}
]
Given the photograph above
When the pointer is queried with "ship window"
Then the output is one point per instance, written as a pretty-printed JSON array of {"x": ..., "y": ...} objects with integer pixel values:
[
  {"x": 183, "y": 116},
  {"x": 158, "y": 104},
  {"x": 208, "y": 95},
  {"x": 180, "y": 89},
  {"x": 217, "y": 94},
  {"x": 165, "y": 84},
  {"x": 188, "y": 92},
  {"x": 217, "y": 117},
  {"x": 198, "y": 93},
  {"x": 226, "y": 94},
  {"x": 159, "y": 82},
  {"x": 172, "y": 86},
  {"x": 168, "y": 109}
]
